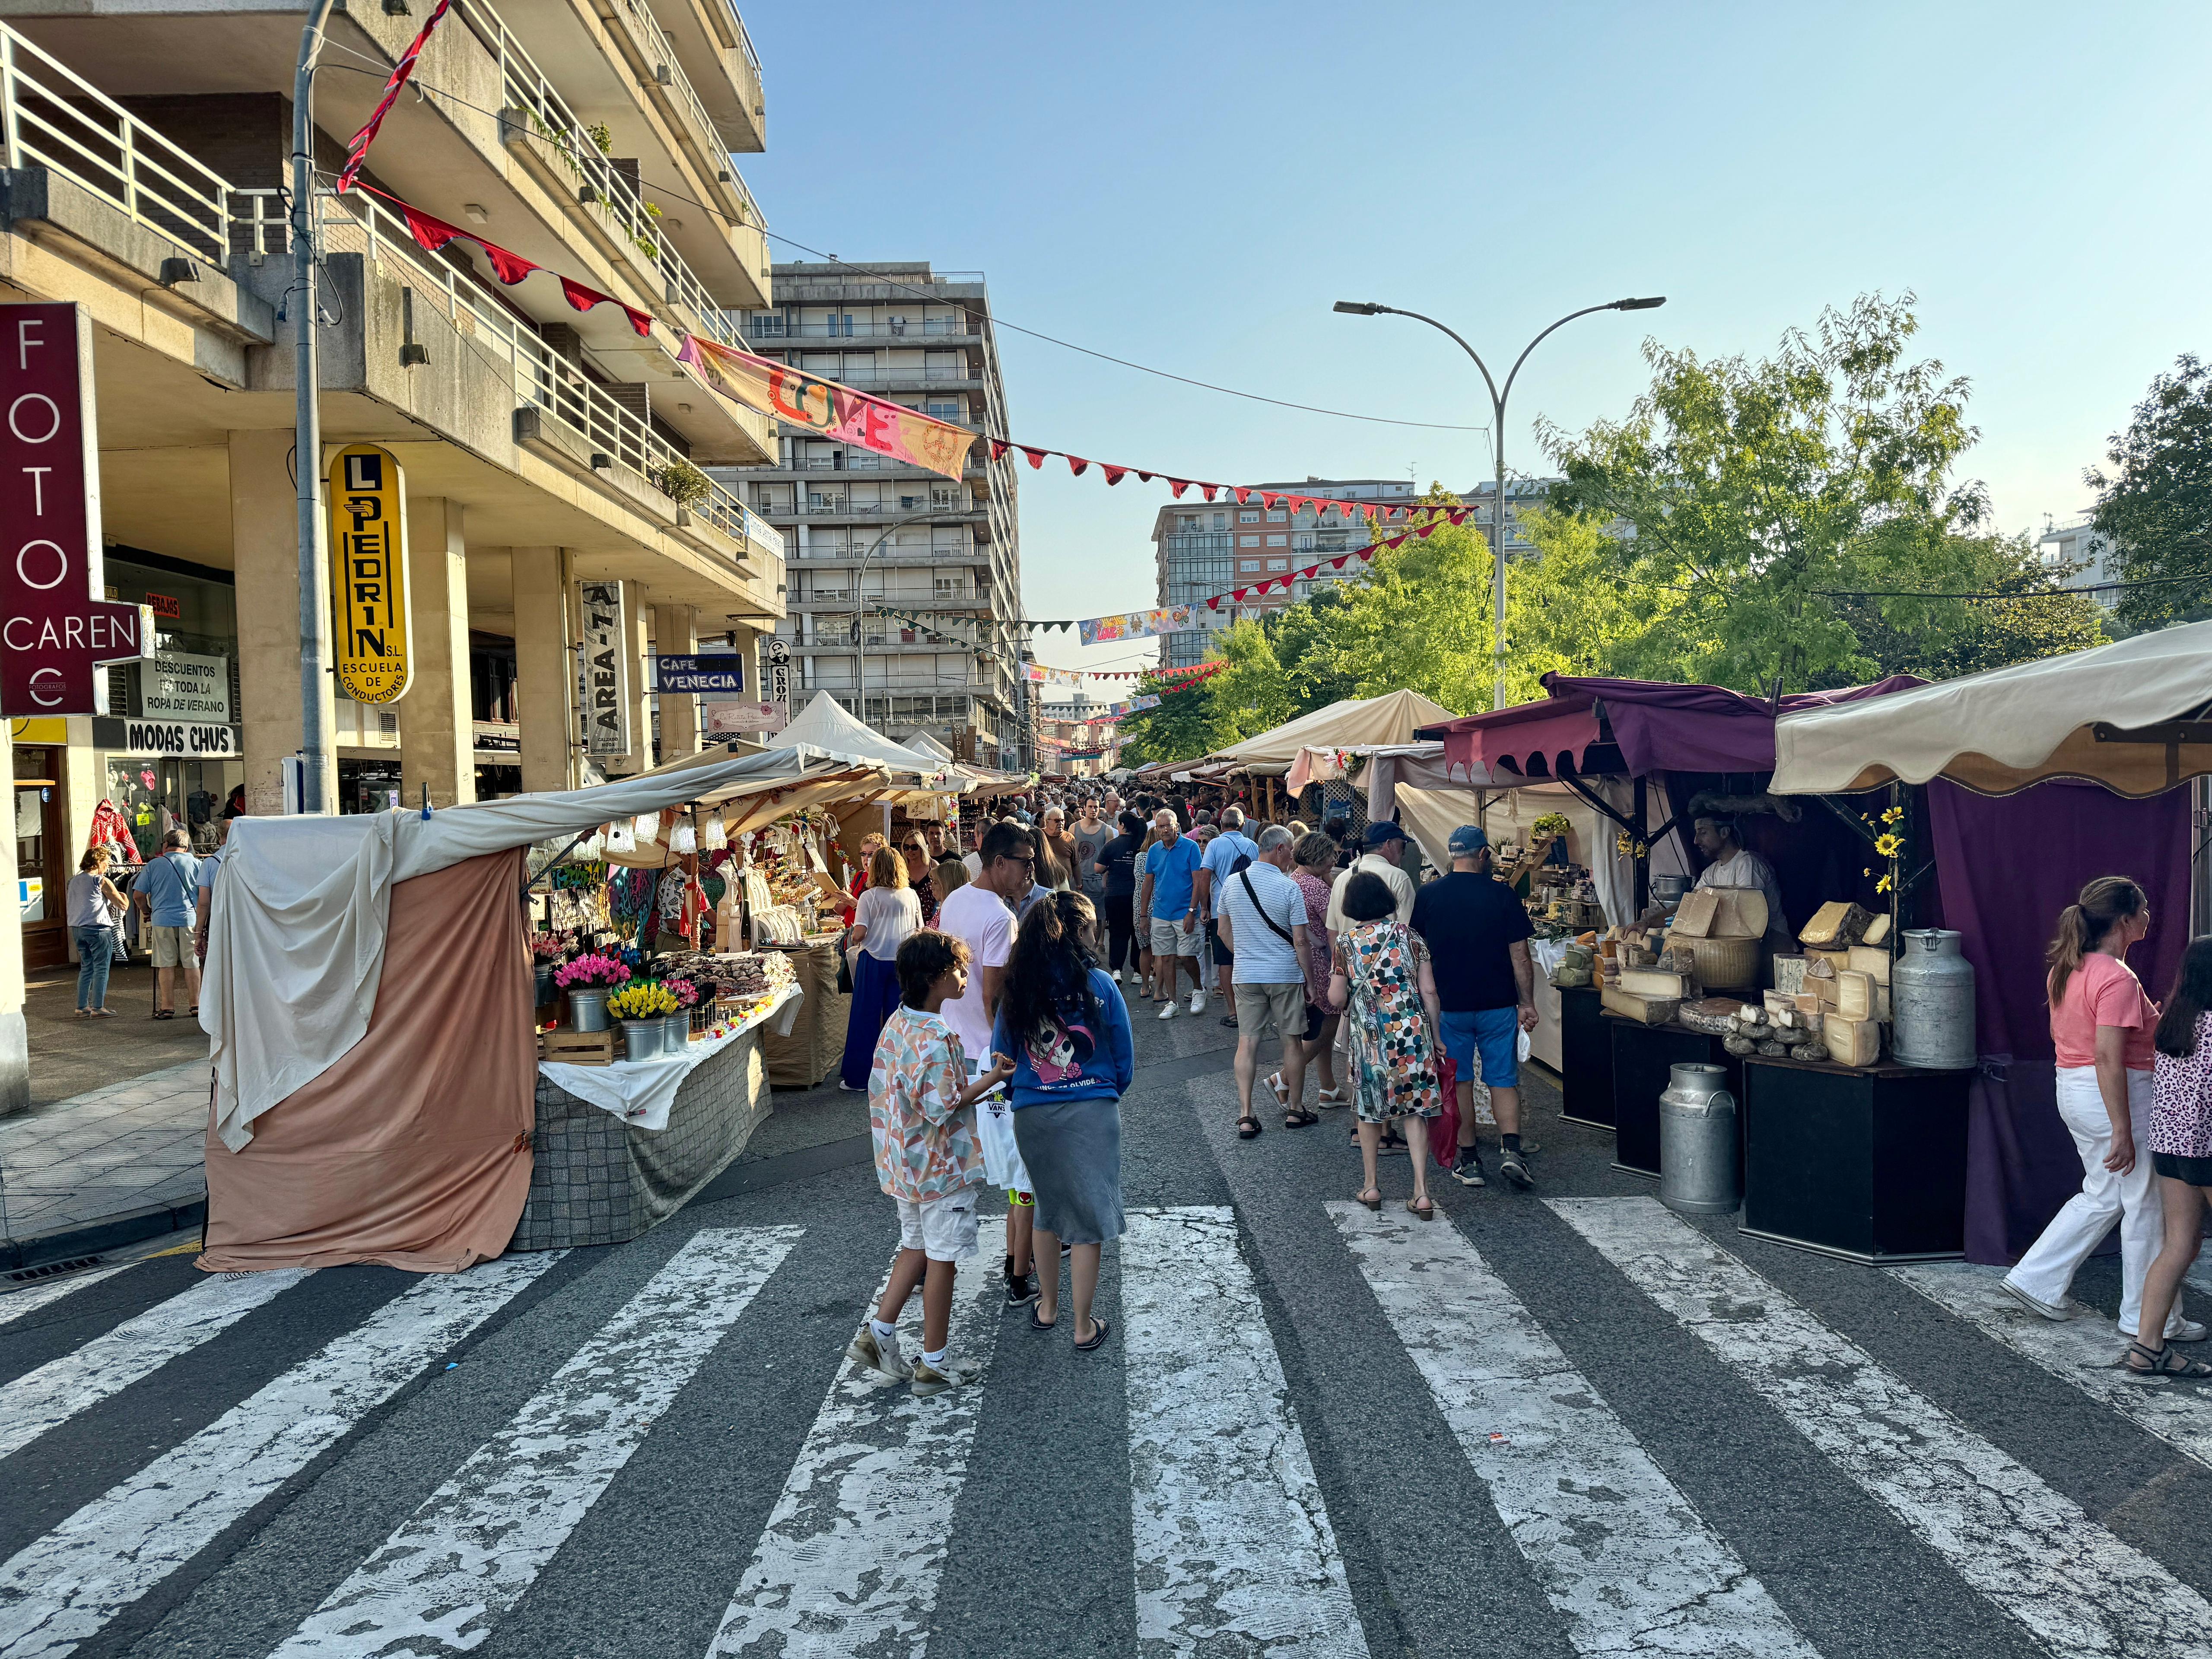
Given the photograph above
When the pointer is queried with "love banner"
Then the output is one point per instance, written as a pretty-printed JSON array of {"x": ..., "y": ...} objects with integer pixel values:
[{"x": 830, "y": 409}]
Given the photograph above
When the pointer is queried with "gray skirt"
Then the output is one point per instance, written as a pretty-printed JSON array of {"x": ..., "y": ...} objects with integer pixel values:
[{"x": 1074, "y": 1152}]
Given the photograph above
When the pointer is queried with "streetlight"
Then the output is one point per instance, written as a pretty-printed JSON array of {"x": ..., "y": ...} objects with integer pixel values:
[
  {"x": 860, "y": 606},
  {"x": 1356, "y": 308}
]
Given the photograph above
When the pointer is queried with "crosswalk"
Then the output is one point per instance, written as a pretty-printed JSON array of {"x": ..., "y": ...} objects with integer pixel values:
[{"x": 1242, "y": 1536}]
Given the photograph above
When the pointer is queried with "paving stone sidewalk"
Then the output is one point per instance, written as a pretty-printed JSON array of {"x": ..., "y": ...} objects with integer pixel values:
[{"x": 126, "y": 1146}]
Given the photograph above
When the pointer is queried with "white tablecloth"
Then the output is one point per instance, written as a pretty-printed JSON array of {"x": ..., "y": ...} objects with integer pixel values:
[{"x": 642, "y": 1092}]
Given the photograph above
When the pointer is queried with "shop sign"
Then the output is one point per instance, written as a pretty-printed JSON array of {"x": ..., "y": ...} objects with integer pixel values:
[
  {"x": 59, "y": 631},
  {"x": 169, "y": 608},
  {"x": 368, "y": 574},
  {"x": 728, "y": 719},
  {"x": 779, "y": 671},
  {"x": 180, "y": 687},
  {"x": 714, "y": 676},
  {"x": 501, "y": 738},
  {"x": 183, "y": 739},
  {"x": 609, "y": 665}
]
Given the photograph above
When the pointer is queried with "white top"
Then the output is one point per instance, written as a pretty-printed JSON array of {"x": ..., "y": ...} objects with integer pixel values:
[
  {"x": 1263, "y": 957},
  {"x": 1400, "y": 885},
  {"x": 1747, "y": 869},
  {"x": 890, "y": 914},
  {"x": 979, "y": 919}
]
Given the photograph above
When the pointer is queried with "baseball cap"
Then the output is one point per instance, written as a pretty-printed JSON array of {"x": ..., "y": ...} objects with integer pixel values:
[
  {"x": 1468, "y": 840},
  {"x": 1381, "y": 835}
]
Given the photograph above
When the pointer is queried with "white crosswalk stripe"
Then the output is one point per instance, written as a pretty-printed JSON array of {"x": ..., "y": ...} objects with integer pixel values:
[
  {"x": 1234, "y": 1549},
  {"x": 115, "y": 1359},
  {"x": 1616, "y": 1547},
  {"x": 851, "y": 1557},
  {"x": 2082, "y": 1351},
  {"x": 62, "y": 1588},
  {"x": 2029, "y": 1550},
  {"x": 462, "y": 1560},
  {"x": 32, "y": 1297}
]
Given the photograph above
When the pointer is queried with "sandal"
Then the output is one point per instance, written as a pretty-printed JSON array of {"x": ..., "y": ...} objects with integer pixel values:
[
  {"x": 1282, "y": 1090},
  {"x": 1374, "y": 1203},
  {"x": 165, "y": 1013},
  {"x": 1332, "y": 1097},
  {"x": 2163, "y": 1362},
  {"x": 1099, "y": 1329},
  {"x": 1299, "y": 1117},
  {"x": 1036, "y": 1324},
  {"x": 1248, "y": 1128},
  {"x": 1413, "y": 1207}
]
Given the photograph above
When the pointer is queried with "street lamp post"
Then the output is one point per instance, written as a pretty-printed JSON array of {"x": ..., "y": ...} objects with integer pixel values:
[
  {"x": 861, "y": 608},
  {"x": 1497, "y": 398}
]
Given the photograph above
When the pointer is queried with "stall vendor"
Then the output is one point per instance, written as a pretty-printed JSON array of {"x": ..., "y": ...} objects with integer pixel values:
[{"x": 1731, "y": 864}]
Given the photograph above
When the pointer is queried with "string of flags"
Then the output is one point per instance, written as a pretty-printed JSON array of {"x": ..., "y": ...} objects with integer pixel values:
[{"x": 1373, "y": 511}]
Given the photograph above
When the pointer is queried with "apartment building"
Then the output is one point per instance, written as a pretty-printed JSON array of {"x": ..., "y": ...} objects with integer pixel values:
[
  {"x": 541, "y": 446},
  {"x": 1207, "y": 549},
  {"x": 1075, "y": 737},
  {"x": 2091, "y": 558},
  {"x": 904, "y": 587}
]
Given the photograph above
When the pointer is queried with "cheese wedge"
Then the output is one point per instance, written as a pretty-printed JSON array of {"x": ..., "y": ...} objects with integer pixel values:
[
  {"x": 1655, "y": 983},
  {"x": 1855, "y": 995},
  {"x": 1743, "y": 914},
  {"x": 1789, "y": 974},
  {"x": 1870, "y": 960},
  {"x": 1852, "y": 1041},
  {"x": 1877, "y": 930},
  {"x": 1837, "y": 923},
  {"x": 1648, "y": 1011},
  {"x": 1693, "y": 918},
  {"x": 1818, "y": 966}
]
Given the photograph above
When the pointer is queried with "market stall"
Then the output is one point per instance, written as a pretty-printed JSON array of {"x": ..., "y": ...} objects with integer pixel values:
[
  {"x": 370, "y": 998},
  {"x": 2037, "y": 778}
]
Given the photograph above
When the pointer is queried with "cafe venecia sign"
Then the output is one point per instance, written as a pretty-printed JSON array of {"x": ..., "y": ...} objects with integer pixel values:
[
  {"x": 368, "y": 574},
  {"x": 58, "y": 630}
]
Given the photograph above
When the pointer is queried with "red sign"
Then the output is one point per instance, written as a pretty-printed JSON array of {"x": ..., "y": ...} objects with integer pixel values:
[
  {"x": 165, "y": 606},
  {"x": 58, "y": 630}
]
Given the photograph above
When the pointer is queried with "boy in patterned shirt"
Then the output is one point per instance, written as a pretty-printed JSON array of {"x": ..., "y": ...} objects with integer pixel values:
[{"x": 921, "y": 1118}]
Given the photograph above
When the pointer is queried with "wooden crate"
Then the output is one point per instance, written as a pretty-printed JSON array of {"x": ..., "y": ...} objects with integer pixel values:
[{"x": 578, "y": 1047}]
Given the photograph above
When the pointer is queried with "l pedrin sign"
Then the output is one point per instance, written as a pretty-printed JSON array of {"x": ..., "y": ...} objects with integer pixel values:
[{"x": 58, "y": 630}]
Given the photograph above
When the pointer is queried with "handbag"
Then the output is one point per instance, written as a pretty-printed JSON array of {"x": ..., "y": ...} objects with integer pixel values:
[{"x": 1444, "y": 1134}]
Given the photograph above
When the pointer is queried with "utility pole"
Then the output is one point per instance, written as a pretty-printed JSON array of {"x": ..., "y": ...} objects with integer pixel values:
[{"x": 318, "y": 781}]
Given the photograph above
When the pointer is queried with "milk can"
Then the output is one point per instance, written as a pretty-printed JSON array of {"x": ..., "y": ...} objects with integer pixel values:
[
  {"x": 1931, "y": 998},
  {"x": 1699, "y": 1173}
]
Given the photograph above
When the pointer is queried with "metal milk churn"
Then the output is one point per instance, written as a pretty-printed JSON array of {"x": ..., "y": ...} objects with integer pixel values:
[
  {"x": 1931, "y": 996},
  {"x": 1699, "y": 1174}
]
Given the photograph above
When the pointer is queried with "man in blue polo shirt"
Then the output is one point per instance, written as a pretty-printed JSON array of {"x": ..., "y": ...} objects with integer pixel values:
[
  {"x": 1477, "y": 934},
  {"x": 165, "y": 892},
  {"x": 1170, "y": 871},
  {"x": 1225, "y": 855}
]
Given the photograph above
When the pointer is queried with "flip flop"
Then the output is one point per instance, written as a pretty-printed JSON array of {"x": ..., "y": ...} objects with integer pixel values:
[{"x": 1097, "y": 1337}]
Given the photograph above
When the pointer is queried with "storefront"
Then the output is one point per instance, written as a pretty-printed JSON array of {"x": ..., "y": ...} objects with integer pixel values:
[
  {"x": 169, "y": 753},
  {"x": 42, "y": 864}
]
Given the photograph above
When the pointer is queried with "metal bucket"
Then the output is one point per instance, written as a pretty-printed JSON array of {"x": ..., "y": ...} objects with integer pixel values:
[
  {"x": 587, "y": 1007},
  {"x": 1931, "y": 994},
  {"x": 545, "y": 990},
  {"x": 640, "y": 1039},
  {"x": 1699, "y": 1172},
  {"x": 675, "y": 1032}
]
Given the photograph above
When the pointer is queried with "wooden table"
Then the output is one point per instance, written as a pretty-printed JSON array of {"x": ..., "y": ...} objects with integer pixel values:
[
  {"x": 1642, "y": 1057},
  {"x": 1866, "y": 1162}
]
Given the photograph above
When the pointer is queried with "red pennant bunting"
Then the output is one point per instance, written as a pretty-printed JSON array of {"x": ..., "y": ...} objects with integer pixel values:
[
  {"x": 1239, "y": 594},
  {"x": 999, "y": 448},
  {"x": 1176, "y": 486},
  {"x": 1145, "y": 477},
  {"x": 584, "y": 298},
  {"x": 1210, "y": 491},
  {"x": 1242, "y": 494},
  {"x": 357, "y": 152},
  {"x": 431, "y": 233},
  {"x": 1268, "y": 498},
  {"x": 1077, "y": 464},
  {"x": 1339, "y": 563},
  {"x": 511, "y": 267},
  {"x": 1114, "y": 474},
  {"x": 1214, "y": 604},
  {"x": 1036, "y": 456}
]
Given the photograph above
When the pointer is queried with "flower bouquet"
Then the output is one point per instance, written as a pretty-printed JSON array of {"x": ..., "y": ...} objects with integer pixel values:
[
  {"x": 586, "y": 972},
  {"x": 548, "y": 947},
  {"x": 645, "y": 999}
]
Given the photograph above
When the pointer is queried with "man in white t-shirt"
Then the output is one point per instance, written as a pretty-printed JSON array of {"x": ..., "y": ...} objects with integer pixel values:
[
  {"x": 981, "y": 915},
  {"x": 1262, "y": 916},
  {"x": 1734, "y": 864},
  {"x": 1385, "y": 845}
]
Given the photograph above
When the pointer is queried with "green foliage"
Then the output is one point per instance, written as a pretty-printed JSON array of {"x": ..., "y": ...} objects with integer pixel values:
[
  {"x": 2155, "y": 506},
  {"x": 1755, "y": 490},
  {"x": 1941, "y": 640}
]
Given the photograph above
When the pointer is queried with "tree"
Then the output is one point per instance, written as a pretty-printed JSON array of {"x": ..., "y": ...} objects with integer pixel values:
[
  {"x": 1749, "y": 494},
  {"x": 2155, "y": 506},
  {"x": 1941, "y": 640},
  {"x": 1568, "y": 611}
]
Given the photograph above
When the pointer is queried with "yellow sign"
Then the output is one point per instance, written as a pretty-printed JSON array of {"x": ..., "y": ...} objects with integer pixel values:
[{"x": 368, "y": 574}]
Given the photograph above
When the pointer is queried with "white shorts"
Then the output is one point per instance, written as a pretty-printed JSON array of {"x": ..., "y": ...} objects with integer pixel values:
[
  {"x": 944, "y": 1228},
  {"x": 1169, "y": 939}
]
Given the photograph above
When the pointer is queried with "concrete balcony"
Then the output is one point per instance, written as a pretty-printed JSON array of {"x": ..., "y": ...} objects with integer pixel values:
[
  {"x": 710, "y": 40},
  {"x": 947, "y": 331}
]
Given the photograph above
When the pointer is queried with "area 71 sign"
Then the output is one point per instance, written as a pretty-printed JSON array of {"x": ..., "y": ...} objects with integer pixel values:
[
  {"x": 368, "y": 574},
  {"x": 58, "y": 630}
]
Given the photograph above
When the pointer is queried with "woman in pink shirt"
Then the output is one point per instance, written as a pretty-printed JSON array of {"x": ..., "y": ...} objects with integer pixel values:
[{"x": 2102, "y": 1025}]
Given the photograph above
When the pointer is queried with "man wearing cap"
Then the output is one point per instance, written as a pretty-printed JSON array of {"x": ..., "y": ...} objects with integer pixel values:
[
  {"x": 1385, "y": 845},
  {"x": 1477, "y": 934}
]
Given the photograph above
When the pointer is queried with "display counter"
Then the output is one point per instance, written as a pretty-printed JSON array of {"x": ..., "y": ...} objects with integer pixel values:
[
  {"x": 814, "y": 1045},
  {"x": 1866, "y": 1162},
  {"x": 1585, "y": 1066}
]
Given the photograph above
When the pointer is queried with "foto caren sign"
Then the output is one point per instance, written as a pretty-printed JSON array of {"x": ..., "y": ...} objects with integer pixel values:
[{"x": 58, "y": 631}]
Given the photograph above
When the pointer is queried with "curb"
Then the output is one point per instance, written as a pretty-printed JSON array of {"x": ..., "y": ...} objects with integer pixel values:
[{"x": 110, "y": 1233}]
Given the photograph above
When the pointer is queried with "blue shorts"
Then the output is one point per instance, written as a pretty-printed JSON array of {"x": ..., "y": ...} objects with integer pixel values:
[{"x": 1495, "y": 1033}]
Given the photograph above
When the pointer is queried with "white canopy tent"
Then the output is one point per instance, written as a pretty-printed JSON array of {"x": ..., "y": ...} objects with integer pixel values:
[
  {"x": 2126, "y": 715},
  {"x": 1389, "y": 719},
  {"x": 827, "y": 724}
]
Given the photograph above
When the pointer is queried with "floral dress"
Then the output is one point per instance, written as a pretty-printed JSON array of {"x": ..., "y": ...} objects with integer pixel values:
[{"x": 1393, "y": 1072}]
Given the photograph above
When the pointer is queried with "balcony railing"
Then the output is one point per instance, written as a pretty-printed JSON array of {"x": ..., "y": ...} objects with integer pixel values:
[
  {"x": 356, "y": 223},
  {"x": 652, "y": 46},
  {"x": 849, "y": 375},
  {"x": 52, "y": 116},
  {"x": 777, "y": 328},
  {"x": 568, "y": 142}
]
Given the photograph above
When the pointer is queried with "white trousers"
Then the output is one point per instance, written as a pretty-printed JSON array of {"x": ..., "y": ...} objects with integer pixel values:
[{"x": 2046, "y": 1271}]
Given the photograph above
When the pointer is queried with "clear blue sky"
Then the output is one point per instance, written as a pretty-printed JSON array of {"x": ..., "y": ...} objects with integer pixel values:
[{"x": 1193, "y": 186}]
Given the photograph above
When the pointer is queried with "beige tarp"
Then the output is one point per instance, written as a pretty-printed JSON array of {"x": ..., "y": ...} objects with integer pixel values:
[
  {"x": 2004, "y": 730},
  {"x": 1389, "y": 718}
]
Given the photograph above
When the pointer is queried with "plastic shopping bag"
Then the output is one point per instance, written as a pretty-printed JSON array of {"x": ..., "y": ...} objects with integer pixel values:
[{"x": 1443, "y": 1130}]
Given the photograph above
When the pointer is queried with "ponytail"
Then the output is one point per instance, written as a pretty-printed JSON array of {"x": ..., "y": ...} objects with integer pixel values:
[{"x": 2083, "y": 926}]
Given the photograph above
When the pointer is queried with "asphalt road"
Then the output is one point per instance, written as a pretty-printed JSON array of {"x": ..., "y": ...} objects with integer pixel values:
[{"x": 1557, "y": 1423}]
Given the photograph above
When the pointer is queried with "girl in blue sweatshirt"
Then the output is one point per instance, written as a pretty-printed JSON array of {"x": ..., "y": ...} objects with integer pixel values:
[{"x": 1063, "y": 1024}]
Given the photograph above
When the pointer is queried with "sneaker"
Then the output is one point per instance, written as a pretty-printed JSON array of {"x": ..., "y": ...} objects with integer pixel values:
[
  {"x": 1197, "y": 1002},
  {"x": 2179, "y": 1330},
  {"x": 1168, "y": 1010},
  {"x": 1467, "y": 1167},
  {"x": 1509, "y": 1166},
  {"x": 2051, "y": 1310},
  {"x": 1022, "y": 1290},
  {"x": 928, "y": 1379},
  {"x": 882, "y": 1357}
]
